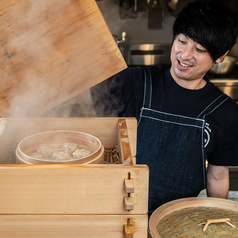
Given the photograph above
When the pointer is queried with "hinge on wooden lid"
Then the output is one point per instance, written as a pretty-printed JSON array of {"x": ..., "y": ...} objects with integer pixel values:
[
  {"x": 129, "y": 203},
  {"x": 129, "y": 185},
  {"x": 129, "y": 188}
]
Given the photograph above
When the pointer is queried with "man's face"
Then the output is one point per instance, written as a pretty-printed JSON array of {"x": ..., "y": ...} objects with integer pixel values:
[{"x": 190, "y": 61}]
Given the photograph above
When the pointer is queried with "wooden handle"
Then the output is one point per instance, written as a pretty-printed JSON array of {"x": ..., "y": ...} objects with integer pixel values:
[
  {"x": 226, "y": 220},
  {"x": 128, "y": 229}
]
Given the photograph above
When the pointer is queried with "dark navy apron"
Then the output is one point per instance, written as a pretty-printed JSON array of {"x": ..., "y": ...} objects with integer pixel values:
[{"x": 173, "y": 148}]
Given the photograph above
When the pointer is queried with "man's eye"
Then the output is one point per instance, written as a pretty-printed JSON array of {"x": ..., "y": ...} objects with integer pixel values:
[
  {"x": 201, "y": 51},
  {"x": 183, "y": 42}
]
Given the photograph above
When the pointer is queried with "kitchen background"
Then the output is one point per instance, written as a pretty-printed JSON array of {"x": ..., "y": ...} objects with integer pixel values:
[
  {"x": 139, "y": 26},
  {"x": 135, "y": 24}
]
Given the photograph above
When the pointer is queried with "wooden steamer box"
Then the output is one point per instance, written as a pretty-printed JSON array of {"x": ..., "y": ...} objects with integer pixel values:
[
  {"x": 51, "y": 51},
  {"x": 106, "y": 200}
]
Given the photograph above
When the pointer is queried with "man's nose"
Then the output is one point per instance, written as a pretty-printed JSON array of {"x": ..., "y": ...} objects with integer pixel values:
[{"x": 187, "y": 53}]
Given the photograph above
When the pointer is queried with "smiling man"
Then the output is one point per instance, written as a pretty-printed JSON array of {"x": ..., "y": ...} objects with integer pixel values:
[
  {"x": 183, "y": 119},
  {"x": 190, "y": 62}
]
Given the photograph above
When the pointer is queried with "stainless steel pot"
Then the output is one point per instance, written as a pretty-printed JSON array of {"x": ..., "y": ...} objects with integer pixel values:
[
  {"x": 175, "y": 6},
  {"x": 224, "y": 67}
]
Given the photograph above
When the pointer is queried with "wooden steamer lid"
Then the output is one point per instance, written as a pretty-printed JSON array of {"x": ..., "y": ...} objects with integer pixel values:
[
  {"x": 187, "y": 217},
  {"x": 52, "y": 51}
]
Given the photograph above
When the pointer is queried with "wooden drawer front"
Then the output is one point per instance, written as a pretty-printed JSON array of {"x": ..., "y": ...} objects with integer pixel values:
[
  {"x": 72, "y": 189},
  {"x": 69, "y": 226}
]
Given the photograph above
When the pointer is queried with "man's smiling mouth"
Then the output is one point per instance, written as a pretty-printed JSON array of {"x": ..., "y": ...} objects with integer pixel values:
[{"x": 184, "y": 65}]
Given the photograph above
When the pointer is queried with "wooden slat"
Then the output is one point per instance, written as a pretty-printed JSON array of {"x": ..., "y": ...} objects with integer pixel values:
[
  {"x": 50, "y": 226},
  {"x": 50, "y": 52},
  {"x": 71, "y": 189},
  {"x": 124, "y": 143},
  {"x": 132, "y": 134}
]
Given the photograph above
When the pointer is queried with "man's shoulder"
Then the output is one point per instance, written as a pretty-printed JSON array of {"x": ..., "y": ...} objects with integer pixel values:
[
  {"x": 229, "y": 104},
  {"x": 227, "y": 113},
  {"x": 231, "y": 107}
]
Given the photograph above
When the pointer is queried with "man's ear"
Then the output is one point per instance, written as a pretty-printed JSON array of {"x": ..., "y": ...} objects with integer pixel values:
[{"x": 222, "y": 57}]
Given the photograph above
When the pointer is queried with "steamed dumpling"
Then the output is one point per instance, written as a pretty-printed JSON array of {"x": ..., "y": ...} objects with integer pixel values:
[
  {"x": 69, "y": 147},
  {"x": 45, "y": 150},
  {"x": 81, "y": 153},
  {"x": 60, "y": 155}
]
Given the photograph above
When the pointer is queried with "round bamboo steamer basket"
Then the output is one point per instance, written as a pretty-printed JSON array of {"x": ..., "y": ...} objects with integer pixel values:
[
  {"x": 28, "y": 145},
  {"x": 187, "y": 217}
]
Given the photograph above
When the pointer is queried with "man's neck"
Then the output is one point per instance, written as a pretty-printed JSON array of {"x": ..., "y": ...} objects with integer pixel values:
[{"x": 193, "y": 85}]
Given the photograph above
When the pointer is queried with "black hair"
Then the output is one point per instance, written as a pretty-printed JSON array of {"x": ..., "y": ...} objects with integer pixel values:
[{"x": 210, "y": 24}]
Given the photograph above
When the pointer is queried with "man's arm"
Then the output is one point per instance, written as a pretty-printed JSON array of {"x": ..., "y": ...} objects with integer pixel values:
[{"x": 217, "y": 181}]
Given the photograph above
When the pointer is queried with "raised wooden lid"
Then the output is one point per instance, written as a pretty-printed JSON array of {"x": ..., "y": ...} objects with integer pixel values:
[{"x": 50, "y": 52}]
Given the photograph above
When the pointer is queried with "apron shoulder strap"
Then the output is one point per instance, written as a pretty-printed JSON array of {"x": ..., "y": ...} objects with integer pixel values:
[
  {"x": 211, "y": 107},
  {"x": 147, "y": 88}
]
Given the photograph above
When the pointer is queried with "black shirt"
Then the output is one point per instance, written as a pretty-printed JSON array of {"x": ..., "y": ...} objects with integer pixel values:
[{"x": 122, "y": 95}]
